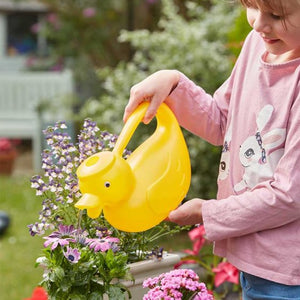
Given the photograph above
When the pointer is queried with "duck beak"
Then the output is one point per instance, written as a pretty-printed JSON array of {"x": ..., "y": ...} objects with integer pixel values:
[{"x": 91, "y": 203}]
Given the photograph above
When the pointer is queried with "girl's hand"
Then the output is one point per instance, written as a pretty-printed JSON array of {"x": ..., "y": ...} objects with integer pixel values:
[
  {"x": 155, "y": 88},
  {"x": 189, "y": 213}
]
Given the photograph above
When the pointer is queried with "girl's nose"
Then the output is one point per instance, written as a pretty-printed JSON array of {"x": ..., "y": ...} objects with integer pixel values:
[{"x": 261, "y": 22}]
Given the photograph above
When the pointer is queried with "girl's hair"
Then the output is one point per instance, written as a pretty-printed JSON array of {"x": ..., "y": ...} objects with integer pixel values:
[
  {"x": 268, "y": 5},
  {"x": 275, "y": 6}
]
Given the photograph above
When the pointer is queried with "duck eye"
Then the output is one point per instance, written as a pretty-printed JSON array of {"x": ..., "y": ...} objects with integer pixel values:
[{"x": 107, "y": 184}]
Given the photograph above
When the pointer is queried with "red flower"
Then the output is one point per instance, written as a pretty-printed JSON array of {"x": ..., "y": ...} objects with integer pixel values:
[
  {"x": 184, "y": 262},
  {"x": 38, "y": 294},
  {"x": 225, "y": 271},
  {"x": 197, "y": 237},
  {"x": 7, "y": 144}
]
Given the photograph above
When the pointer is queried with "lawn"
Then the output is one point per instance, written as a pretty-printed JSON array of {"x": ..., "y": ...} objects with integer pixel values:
[{"x": 18, "y": 250}]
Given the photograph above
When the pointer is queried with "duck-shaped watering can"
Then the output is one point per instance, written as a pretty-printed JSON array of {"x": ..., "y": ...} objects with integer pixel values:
[{"x": 138, "y": 193}]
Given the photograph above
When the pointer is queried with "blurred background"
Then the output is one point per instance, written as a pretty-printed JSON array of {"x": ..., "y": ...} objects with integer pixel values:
[{"x": 73, "y": 59}]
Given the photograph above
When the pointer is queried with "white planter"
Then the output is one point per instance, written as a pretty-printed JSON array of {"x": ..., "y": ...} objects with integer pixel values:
[{"x": 148, "y": 268}]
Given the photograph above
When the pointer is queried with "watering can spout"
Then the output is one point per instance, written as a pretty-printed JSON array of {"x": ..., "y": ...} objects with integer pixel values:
[{"x": 91, "y": 203}]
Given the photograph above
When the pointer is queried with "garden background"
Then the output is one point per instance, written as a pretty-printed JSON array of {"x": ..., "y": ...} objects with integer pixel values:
[{"x": 109, "y": 46}]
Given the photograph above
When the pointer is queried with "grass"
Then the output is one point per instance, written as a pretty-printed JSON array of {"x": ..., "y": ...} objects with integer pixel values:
[{"x": 18, "y": 250}]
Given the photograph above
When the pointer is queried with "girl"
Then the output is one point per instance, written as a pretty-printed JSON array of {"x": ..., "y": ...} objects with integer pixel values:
[{"x": 255, "y": 114}]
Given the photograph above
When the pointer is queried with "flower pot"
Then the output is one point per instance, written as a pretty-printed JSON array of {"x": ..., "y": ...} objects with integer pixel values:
[
  {"x": 148, "y": 268},
  {"x": 7, "y": 160}
]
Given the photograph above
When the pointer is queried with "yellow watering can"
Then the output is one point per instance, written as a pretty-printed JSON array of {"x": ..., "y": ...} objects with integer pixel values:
[{"x": 138, "y": 193}]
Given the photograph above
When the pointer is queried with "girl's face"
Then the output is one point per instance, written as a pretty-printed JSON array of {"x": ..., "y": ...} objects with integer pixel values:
[{"x": 279, "y": 28}]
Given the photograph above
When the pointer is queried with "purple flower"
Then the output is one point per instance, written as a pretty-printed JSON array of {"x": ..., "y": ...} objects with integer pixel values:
[
  {"x": 63, "y": 237},
  {"x": 103, "y": 244},
  {"x": 72, "y": 255}
]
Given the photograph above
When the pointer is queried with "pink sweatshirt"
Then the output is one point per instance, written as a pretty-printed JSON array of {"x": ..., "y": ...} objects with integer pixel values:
[{"x": 255, "y": 114}]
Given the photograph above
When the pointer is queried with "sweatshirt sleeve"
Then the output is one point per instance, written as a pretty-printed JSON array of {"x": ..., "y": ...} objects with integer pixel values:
[
  {"x": 270, "y": 204},
  {"x": 198, "y": 112}
]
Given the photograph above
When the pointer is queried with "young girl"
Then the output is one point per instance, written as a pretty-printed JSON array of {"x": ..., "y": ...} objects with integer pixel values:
[{"x": 255, "y": 114}]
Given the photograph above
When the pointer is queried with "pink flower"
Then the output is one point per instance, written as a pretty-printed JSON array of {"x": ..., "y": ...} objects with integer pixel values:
[
  {"x": 35, "y": 28},
  {"x": 5, "y": 144},
  {"x": 89, "y": 12},
  {"x": 53, "y": 20},
  {"x": 197, "y": 237},
  {"x": 225, "y": 271},
  {"x": 72, "y": 255},
  {"x": 62, "y": 237},
  {"x": 103, "y": 244},
  {"x": 176, "y": 285}
]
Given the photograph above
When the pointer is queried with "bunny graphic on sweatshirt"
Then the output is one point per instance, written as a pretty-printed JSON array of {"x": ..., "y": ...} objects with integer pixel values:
[{"x": 259, "y": 154}]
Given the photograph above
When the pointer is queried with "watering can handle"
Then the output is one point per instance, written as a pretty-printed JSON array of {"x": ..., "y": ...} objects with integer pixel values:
[{"x": 129, "y": 127}]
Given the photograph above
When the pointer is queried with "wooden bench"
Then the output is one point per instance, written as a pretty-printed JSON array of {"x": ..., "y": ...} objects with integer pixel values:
[{"x": 20, "y": 95}]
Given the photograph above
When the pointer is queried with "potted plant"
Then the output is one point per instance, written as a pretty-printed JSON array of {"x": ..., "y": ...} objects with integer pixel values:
[
  {"x": 86, "y": 258},
  {"x": 8, "y": 155}
]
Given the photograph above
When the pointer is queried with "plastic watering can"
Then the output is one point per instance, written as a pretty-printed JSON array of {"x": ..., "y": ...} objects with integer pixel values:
[{"x": 137, "y": 193}]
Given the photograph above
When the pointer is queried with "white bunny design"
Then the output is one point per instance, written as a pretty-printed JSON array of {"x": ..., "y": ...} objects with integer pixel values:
[
  {"x": 225, "y": 157},
  {"x": 256, "y": 153}
]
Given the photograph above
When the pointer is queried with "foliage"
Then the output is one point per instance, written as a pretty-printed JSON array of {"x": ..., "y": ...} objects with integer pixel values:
[
  {"x": 82, "y": 256},
  {"x": 72, "y": 28},
  {"x": 196, "y": 46},
  {"x": 218, "y": 272},
  {"x": 82, "y": 35}
]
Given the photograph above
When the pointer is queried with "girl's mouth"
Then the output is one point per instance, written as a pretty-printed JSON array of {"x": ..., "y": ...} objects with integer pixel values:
[{"x": 270, "y": 41}]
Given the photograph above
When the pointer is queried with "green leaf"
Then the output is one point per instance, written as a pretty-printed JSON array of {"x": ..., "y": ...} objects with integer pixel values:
[
  {"x": 95, "y": 296},
  {"x": 116, "y": 293},
  {"x": 57, "y": 274},
  {"x": 76, "y": 296}
]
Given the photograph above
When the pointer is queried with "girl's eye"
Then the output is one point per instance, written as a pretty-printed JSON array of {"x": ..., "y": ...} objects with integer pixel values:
[{"x": 275, "y": 16}]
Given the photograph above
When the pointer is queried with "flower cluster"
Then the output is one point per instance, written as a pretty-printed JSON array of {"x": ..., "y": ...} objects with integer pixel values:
[
  {"x": 7, "y": 144},
  {"x": 176, "y": 285},
  {"x": 217, "y": 270},
  {"x": 82, "y": 255},
  {"x": 79, "y": 248},
  {"x": 38, "y": 294},
  {"x": 59, "y": 186}
]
